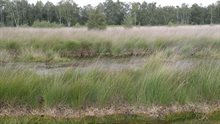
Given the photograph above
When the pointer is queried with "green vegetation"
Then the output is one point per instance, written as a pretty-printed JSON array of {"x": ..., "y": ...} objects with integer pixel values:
[
  {"x": 159, "y": 82},
  {"x": 62, "y": 44},
  {"x": 68, "y": 13},
  {"x": 131, "y": 119},
  {"x": 55, "y": 50},
  {"x": 96, "y": 20},
  {"x": 184, "y": 118},
  {"x": 45, "y": 24},
  {"x": 155, "y": 84},
  {"x": 128, "y": 21}
]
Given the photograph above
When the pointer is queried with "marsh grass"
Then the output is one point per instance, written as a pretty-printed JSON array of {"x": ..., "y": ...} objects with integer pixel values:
[
  {"x": 131, "y": 119},
  {"x": 69, "y": 43},
  {"x": 64, "y": 50},
  {"x": 176, "y": 118},
  {"x": 156, "y": 84}
]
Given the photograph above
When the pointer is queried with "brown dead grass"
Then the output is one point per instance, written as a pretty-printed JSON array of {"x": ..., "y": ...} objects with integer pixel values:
[
  {"x": 112, "y": 33},
  {"x": 150, "y": 111}
]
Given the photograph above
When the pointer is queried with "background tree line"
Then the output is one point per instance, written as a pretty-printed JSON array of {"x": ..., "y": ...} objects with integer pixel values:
[{"x": 68, "y": 13}]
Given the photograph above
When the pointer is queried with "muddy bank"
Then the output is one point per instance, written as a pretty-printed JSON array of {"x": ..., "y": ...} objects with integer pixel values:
[
  {"x": 84, "y": 65},
  {"x": 133, "y": 63},
  {"x": 168, "y": 113}
]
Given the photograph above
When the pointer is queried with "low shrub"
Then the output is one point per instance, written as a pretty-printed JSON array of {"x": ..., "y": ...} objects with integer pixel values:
[{"x": 12, "y": 46}]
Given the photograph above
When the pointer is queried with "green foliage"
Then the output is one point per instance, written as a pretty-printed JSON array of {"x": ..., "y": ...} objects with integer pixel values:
[
  {"x": 115, "y": 12},
  {"x": 77, "y": 25},
  {"x": 215, "y": 116},
  {"x": 96, "y": 20},
  {"x": 25, "y": 93},
  {"x": 45, "y": 24},
  {"x": 128, "y": 119},
  {"x": 103, "y": 47},
  {"x": 183, "y": 116},
  {"x": 197, "y": 14},
  {"x": 12, "y": 46},
  {"x": 68, "y": 13},
  {"x": 128, "y": 21},
  {"x": 93, "y": 47},
  {"x": 171, "y": 24},
  {"x": 68, "y": 46},
  {"x": 154, "y": 84}
]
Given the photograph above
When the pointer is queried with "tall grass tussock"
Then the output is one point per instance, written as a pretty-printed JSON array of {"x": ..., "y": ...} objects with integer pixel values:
[
  {"x": 29, "y": 44},
  {"x": 155, "y": 84}
]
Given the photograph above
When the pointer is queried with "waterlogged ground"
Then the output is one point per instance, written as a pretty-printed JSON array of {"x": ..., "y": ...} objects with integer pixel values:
[
  {"x": 134, "y": 63},
  {"x": 182, "y": 75},
  {"x": 81, "y": 65}
]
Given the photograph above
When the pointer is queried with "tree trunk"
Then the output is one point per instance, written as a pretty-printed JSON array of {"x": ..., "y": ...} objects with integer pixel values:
[
  {"x": 68, "y": 23},
  {"x": 14, "y": 18},
  {"x": 211, "y": 20}
]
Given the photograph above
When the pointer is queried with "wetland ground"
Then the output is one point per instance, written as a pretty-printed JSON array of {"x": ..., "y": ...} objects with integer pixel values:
[{"x": 139, "y": 75}]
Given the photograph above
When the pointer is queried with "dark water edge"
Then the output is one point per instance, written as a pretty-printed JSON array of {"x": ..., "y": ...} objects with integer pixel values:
[{"x": 181, "y": 118}]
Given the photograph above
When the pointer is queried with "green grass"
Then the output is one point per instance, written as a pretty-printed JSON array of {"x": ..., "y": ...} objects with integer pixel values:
[
  {"x": 114, "y": 119},
  {"x": 155, "y": 84},
  {"x": 37, "y": 50},
  {"x": 175, "y": 118}
]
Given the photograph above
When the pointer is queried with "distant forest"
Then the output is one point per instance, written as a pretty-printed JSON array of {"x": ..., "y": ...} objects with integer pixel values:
[{"x": 68, "y": 13}]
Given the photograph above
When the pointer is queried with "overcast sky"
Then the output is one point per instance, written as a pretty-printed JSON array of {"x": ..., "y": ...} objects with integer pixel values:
[{"x": 159, "y": 2}]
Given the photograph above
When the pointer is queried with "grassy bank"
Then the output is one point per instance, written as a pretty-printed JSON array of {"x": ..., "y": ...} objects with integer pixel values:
[
  {"x": 156, "y": 84},
  {"x": 65, "y": 44}
]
